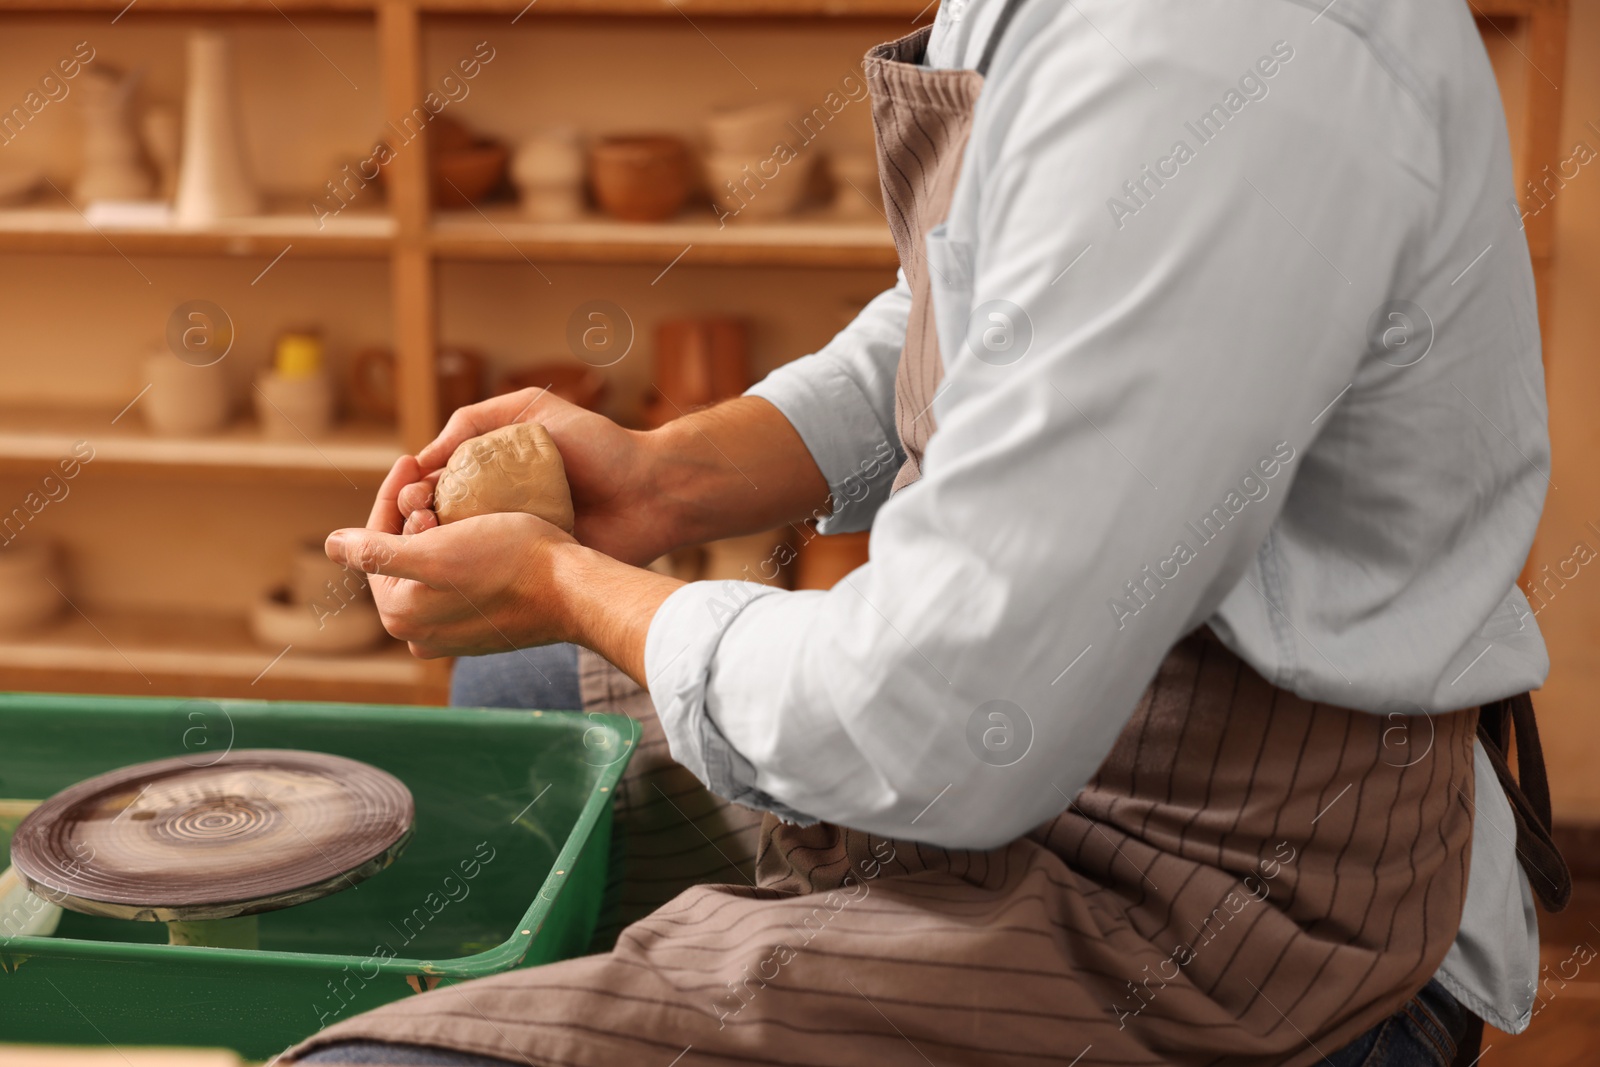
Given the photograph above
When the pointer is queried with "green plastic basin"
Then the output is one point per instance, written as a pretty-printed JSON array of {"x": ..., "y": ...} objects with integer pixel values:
[{"x": 507, "y": 868}]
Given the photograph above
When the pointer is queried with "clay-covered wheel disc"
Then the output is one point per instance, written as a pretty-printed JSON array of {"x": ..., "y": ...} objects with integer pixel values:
[{"x": 258, "y": 830}]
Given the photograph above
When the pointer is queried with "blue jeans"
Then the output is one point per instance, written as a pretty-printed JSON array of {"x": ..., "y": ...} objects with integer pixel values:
[
  {"x": 545, "y": 679},
  {"x": 1428, "y": 1032}
]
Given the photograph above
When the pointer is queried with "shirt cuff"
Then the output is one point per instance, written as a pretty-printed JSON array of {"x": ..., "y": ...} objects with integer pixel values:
[
  {"x": 679, "y": 652},
  {"x": 839, "y": 425}
]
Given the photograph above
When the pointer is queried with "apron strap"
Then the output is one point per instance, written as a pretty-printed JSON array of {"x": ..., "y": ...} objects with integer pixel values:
[
  {"x": 1007, "y": 13},
  {"x": 1529, "y": 793}
]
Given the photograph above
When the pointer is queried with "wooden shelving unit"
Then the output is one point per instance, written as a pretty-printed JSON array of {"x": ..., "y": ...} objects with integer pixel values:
[
  {"x": 117, "y": 649},
  {"x": 159, "y": 650}
]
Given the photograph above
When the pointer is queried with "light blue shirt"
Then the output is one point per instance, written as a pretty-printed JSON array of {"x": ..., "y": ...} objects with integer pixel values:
[{"x": 1238, "y": 324}]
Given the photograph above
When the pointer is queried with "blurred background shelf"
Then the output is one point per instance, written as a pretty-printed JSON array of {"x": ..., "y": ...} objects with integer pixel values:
[
  {"x": 817, "y": 240},
  {"x": 49, "y": 229},
  {"x": 189, "y": 654},
  {"x": 39, "y": 436}
]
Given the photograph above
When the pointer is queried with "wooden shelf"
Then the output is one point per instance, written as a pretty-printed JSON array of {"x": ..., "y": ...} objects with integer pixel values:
[
  {"x": 816, "y": 240},
  {"x": 35, "y": 436},
  {"x": 44, "y": 230},
  {"x": 165, "y": 654}
]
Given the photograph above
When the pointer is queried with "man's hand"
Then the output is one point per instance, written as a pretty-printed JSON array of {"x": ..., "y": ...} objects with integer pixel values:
[
  {"x": 494, "y": 583},
  {"x": 608, "y": 468}
]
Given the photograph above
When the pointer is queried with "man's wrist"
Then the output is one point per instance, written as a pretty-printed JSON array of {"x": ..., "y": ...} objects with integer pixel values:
[{"x": 606, "y": 605}]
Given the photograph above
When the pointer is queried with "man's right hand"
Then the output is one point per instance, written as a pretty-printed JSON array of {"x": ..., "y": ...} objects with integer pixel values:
[{"x": 606, "y": 468}]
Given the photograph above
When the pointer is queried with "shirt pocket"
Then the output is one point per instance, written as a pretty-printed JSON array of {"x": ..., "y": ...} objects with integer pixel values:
[{"x": 950, "y": 286}]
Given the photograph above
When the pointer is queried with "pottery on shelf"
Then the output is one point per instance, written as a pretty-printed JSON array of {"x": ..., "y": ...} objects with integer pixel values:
[
  {"x": 371, "y": 388},
  {"x": 640, "y": 178},
  {"x": 28, "y": 599},
  {"x": 697, "y": 362},
  {"x": 858, "y": 191},
  {"x": 19, "y": 183},
  {"x": 754, "y": 132},
  {"x": 213, "y": 179},
  {"x": 548, "y": 171},
  {"x": 745, "y": 189},
  {"x": 319, "y": 626},
  {"x": 184, "y": 400},
  {"x": 460, "y": 378},
  {"x": 113, "y": 167},
  {"x": 293, "y": 409},
  {"x": 163, "y": 143},
  {"x": 576, "y": 384},
  {"x": 316, "y": 579}
]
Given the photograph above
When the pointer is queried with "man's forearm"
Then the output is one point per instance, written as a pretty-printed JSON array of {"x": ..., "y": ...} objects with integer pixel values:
[{"x": 734, "y": 469}]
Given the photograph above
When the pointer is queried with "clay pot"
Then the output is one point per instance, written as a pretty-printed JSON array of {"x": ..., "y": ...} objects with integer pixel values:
[
  {"x": 698, "y": 362},
  {"x": 583, "y": 386},
  {"x": 184, "y": 400},
  {"x": 325, "y": 627},
  {"x": 464, "y": 176},
  {"x": 548, "y": 170},
  {"x": 822, "y": 562},
  {"x": 27, "y": 599},
  {"x": 460, "y": 379},
  {"x": 292, "y": 409},
  {"x": 372, "y": 382},
  {"x": 644, "y": 178},
  {"x": 371, "y": 386},
  {"x": 858, "y": 192}
]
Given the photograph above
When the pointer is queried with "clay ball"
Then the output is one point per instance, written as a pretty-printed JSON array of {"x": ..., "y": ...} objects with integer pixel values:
[{"x": 514, "y": 468}]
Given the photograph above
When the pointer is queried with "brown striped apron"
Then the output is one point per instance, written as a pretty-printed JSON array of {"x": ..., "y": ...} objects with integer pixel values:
[{"x": 1249, "y": 879}]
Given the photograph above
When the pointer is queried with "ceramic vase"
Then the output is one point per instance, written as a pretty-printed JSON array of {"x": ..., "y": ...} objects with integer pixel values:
[
  {"x": 184, "y": 400},
  {"x": 698, "y": 362},
  {"x": 112, "y": 164},
  {"x": 27, "y": 597},
  {"x": 213, "y": 179},
  {"x": 548, "y": 170}
]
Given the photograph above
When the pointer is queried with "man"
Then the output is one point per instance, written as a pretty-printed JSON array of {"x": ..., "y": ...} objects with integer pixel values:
[{"x": 1213, "y": 376}]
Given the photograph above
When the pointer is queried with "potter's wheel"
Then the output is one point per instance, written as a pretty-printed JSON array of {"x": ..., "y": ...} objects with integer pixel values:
[{"x": 258, "y": 830}]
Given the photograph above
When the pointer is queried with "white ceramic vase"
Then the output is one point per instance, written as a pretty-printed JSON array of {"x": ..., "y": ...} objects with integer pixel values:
[
  {"x": 548, "y": 169},
  {"x": 213, "y": 180},
  {"x": 112, "y": 167},
  {"x": 184, "y": 400},
  {"x": 27, "y": 597}
]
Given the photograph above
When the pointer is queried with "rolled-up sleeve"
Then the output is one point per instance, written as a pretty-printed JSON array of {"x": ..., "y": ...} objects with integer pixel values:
[{"x": 841, "y": 401}]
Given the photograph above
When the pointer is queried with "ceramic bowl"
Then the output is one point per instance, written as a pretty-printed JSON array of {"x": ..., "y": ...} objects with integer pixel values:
[
  {"x": 293, "y": 409},
  {"x": 184, "y": 400},
  {"x": 464, "y": 176},
  {"x": 753, "y": 132},
  {"x": 276, "y": 621},
  {"x": 742, "y": 190},
  {"x": 643, "y": 178},
  {"x": 27, "y": 598}
]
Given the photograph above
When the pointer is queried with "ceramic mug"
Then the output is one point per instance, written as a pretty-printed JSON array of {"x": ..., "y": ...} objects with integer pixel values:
[{"x": 183, "y": 400}]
